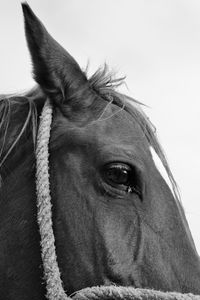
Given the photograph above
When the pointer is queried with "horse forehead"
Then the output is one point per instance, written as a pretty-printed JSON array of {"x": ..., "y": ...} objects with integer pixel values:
[{"x": 116, "y": 128}]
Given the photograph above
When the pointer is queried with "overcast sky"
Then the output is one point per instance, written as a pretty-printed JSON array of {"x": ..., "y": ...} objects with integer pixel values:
[{"x": 155, "y": 43}]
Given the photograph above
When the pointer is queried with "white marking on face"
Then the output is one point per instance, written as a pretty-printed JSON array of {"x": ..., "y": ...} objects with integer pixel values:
[{"x": 161, "y": 168}]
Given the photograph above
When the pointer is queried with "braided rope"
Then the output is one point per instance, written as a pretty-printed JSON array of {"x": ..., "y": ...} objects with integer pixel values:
[
  {"x": 52, "y": 277},
  {"x": 55, "y": 290},
  {"x": 129, "y": 293}
]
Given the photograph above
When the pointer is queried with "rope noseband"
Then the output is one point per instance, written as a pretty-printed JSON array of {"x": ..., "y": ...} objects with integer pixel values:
[{"x": 52, "y": 277}]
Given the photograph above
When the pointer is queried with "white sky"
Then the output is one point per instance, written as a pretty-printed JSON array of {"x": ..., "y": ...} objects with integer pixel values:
[{"x": 155, "y": 43}]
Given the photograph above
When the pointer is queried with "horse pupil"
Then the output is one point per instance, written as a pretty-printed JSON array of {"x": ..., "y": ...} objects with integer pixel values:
[{"x": 118, "y": 175}]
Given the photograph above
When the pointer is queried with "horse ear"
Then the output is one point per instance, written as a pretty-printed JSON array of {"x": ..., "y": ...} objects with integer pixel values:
[{"x": 55, "y": 70}]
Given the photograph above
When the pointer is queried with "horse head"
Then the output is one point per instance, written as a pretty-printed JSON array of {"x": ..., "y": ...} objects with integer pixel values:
[{"x": 115, "y": 219}]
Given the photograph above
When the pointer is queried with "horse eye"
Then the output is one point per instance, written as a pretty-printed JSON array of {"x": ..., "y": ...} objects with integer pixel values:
[
  {"x": 123, "y": 177},
  {"x": 117, "y": 173}
]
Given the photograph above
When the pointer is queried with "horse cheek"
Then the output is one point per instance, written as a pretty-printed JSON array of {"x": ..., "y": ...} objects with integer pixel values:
[{"x": 119, "y": 235}]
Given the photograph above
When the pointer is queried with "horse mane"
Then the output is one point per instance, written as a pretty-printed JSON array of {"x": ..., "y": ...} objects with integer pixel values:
[
  {"x": 17, "y": 112},
  {"x": 21, "y": 112}
]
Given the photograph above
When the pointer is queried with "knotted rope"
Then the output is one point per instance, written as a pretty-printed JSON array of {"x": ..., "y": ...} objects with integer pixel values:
[{"x": 52, "y": 276}]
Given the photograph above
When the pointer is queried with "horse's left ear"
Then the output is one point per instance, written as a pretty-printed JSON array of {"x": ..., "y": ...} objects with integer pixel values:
[{"x": 55, "y": 70}]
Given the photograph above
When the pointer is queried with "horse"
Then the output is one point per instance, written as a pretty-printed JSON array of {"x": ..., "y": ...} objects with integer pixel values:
[{"x": 115, "y": 219}]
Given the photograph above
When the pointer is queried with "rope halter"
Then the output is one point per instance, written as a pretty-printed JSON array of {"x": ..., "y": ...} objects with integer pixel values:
[{"x": 53, "y": 280}]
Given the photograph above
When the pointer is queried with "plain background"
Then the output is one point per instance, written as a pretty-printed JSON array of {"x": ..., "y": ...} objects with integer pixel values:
[{"x": 155, "y": 43}]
